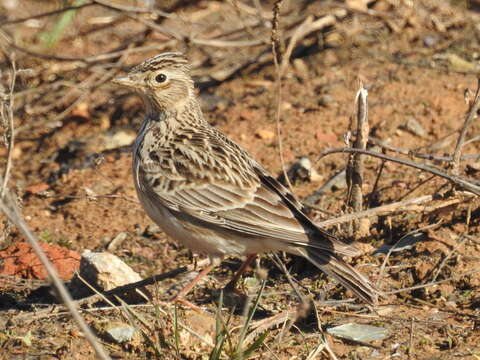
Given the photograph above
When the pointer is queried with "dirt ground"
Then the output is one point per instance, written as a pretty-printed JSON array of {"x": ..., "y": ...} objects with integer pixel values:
[{"x": 72, "y": 178}]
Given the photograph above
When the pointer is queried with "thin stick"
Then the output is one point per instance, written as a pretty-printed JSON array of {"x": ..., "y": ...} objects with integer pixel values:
[
  {"x": 276, "y": 259},
  {"x": 452, "y": 178},
  {"x": 355, "y": 164},
  {"x": 468, "y": 120},
  {"x": 410, "y": 346},
  {"x": 11, "y": 211},
  {"x": 142, "y": 283},
  {"x": 414, "y": 153},
  {"x": 449, "y": 255},
  {"x": 400, "y": 206},
  {"x": 276, "y": 50},
  {"x": 431, "y": 283},
  {"x": 10, "y": 129}
]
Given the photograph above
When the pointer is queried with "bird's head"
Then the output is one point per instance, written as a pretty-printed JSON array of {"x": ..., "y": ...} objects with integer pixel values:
[{"x": 163, "y": 81}]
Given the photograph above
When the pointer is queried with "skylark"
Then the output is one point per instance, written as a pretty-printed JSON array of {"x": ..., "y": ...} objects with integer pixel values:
[{"x": 207, "y": 192}]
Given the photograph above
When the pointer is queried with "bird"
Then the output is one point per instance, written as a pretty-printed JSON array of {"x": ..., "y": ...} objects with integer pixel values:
[{"x": 206, "y": 192}]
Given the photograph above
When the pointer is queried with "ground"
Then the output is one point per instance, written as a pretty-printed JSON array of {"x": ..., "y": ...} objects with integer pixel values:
[{"x": 72, "y": 178}]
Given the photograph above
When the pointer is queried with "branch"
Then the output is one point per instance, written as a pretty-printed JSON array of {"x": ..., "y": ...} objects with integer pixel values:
[
  {"x": 457, "y": 180},
  {"x": 400, "y": 206},
  {"x": 355, "y": 164},
  {"x": 461, "y": 139},
  {"x": 8, "y": 207}
]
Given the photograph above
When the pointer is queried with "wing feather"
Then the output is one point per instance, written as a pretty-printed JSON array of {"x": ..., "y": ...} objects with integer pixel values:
[{"x": 229, "y": 189}]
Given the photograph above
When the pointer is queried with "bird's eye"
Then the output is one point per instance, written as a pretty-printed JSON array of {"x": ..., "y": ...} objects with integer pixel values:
[{"x": 160, "y": 78}]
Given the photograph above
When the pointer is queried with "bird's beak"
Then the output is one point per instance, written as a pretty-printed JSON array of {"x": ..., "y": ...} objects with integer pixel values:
[{"x": 124, "y": 80}]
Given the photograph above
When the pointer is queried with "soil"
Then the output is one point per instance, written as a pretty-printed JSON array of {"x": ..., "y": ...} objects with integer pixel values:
[{"x": 72, "y": 178}]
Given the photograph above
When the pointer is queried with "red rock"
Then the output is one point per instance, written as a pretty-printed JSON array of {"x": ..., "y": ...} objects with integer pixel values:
[
  {"x": 249, "y": 115},
  {"x": 20, "y": 260},
  {"x": 328, "y": 138},
  {"x": 265, "y": 134},
  {"x": 81, "y": 110},
  {"x": 37, "y": 188}
]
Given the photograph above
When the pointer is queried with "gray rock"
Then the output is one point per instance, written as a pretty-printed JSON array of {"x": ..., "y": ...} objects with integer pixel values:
[
  {"x": 358, "y": 332},
  {"x": 105, "y": 271},
  {"x": 119, "y": 333},
  {"x": 117, "y": 241},
  {"x": 405, "y": 243},
  {"x": 414, "y": 127},
  {"x": 430, "y": 41}
]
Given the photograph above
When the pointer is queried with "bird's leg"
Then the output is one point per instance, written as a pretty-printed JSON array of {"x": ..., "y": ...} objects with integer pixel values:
[
  {"x": 192, "y": 283},
  {"x": 231, "y": 284}
]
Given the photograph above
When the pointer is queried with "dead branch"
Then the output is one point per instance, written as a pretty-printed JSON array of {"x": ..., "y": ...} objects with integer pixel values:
[
  {"x": 355, "y": 164},
  {"x": 8, "y": 207},
  {"x": 457, "y": 180},
  {"x": 472, "y": 114},
  {"x": 277, "y": 59},
  {"x": 413, "y": 153},
  {"x": 432, "y": 283},
  {"x": 448, "y": 256},
  {"x": 307, "y": 27},
  {"x": 142, "y": 283},
  {"x": 395, "y": 208},
  {"x": 45, "y": 14},
  {"x": 6, "y": 113}
]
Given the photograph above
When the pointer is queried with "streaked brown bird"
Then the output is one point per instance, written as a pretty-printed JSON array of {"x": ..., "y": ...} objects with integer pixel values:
[{"x": 208, "y": 193}]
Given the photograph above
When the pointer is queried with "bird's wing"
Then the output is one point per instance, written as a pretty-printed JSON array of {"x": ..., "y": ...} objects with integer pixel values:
[{"x": 216, "y": 182}]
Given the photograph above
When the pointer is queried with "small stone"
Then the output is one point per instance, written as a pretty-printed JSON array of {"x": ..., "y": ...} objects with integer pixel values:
[
  {"x": 212, "y": 102},
  {"x": 286, "y": 106},
  {"x": 302, "y": 170},
  {"x": 473, "y": 169},
  {"x": 385, "y": 310},
  {"x": 105, "y": 271},
  {"x": 325, "y": 100},
  {"x": 117, "y": 241},
  {"x": 81, "y": 110},
  {"x": 17, "y": 152},
  {"x": 452, "y": 305},
  {"x": 152, "y": 229},
  {"x": 37, "y": 188},
  {"x": 265, "y": 134},
  {"x": 249, "y": 115},
  {"x": 119, "y": 139},
  {"x": 358, "y": 332},
  {"x": 119, "y": 332},
  {"x": 301, "y": 69},
  {"x": 330, "y": 139},
  {"x": 414, "y": 127},
  {"x": 430, "y": 41}
]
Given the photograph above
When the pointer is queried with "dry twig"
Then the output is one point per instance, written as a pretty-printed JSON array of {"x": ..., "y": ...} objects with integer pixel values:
[
  {"x": 472, "y": 114},
  {"x": 6, "y": 113},
  {"x": 408, "y": 205},
  {"x": 10, "y": 209},
  {"x": 276, "y": 51},
  {"x": 355, "y": 170},
  {"x": 457, "y": 180}
]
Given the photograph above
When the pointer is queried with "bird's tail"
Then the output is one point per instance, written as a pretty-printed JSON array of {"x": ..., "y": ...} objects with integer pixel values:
[{"x": 345, "y": 274}]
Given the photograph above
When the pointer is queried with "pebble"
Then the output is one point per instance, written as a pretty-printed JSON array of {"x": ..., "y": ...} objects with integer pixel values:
[
  {"x": 414, "y": 127},
  {"x": 430, "y": 41},
  {"x": 105, "y": 271},
  {"x": 120, "y": 333}
]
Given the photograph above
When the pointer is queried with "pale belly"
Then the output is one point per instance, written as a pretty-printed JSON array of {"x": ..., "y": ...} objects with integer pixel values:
[{"x": 197, "y": 238}]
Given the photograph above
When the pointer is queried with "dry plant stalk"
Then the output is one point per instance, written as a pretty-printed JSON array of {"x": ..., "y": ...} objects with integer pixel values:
[
  {"x": 361, "y": 227},
  {"x": 277, "y": 59},
  {"x": 472, "y": 114},
  {"x": 9, "y": 207}
]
